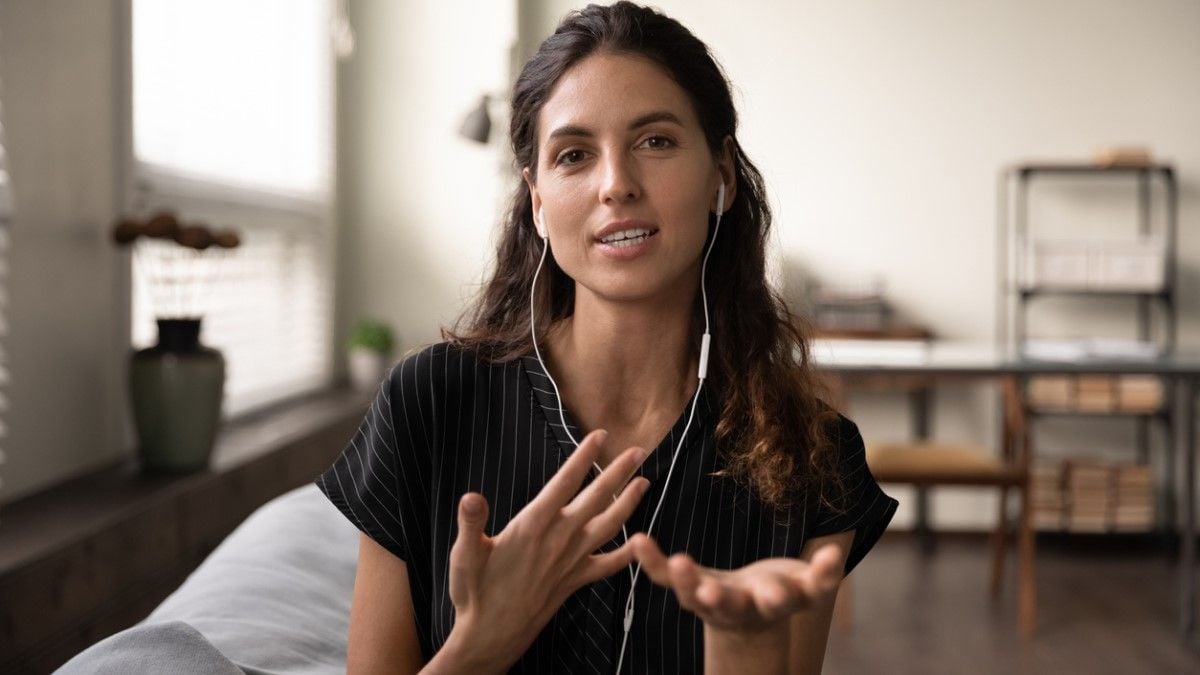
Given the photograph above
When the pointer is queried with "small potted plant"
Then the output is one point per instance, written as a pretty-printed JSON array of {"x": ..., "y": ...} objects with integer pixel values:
[{"x": 370, "y": 347}]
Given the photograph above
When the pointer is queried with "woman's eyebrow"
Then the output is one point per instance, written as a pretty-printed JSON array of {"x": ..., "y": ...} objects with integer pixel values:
[{"x": 648, "y": 118}]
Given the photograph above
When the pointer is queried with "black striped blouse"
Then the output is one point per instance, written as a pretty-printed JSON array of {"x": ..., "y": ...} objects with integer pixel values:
[{"x": 444, "y": 423}]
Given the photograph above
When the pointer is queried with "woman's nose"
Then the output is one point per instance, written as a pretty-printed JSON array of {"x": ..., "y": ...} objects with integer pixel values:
[{"x": 620, "y": 181}]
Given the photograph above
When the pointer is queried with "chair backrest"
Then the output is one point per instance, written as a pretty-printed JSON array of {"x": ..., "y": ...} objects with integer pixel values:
[{"x": 1016, "y": 424}]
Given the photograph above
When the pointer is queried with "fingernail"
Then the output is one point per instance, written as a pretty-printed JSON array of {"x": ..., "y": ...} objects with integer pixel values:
[
  {"x": 471, "y": 506},
  {"x": 641, "y": 455},
  {"x": 601, "y": 435}
]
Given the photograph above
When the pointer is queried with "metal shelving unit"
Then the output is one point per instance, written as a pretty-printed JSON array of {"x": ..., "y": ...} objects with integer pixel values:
[
  {"x": 1013, "y": 237},
  {"x": 1014, "y": 230}
]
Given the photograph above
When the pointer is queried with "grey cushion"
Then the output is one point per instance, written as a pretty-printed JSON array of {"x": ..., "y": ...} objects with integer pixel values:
[
  {"x": 274, "y": 597},
  {"x": 170, "y": 647}
]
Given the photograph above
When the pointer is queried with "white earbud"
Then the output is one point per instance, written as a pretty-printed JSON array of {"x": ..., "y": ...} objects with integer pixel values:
[{"x": 701, "y": 376}]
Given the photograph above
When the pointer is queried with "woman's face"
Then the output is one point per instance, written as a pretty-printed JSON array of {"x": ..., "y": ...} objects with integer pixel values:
[{"x": 618, "y": 141}]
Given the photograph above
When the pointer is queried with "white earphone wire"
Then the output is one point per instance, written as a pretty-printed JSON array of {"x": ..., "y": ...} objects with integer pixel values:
[{"x": 702, "y": 373}]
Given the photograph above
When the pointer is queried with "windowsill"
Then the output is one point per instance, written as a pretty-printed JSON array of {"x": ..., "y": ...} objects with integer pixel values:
[
  {"x": 40, "y": 524},
  {"x": 92, "y": 555}
]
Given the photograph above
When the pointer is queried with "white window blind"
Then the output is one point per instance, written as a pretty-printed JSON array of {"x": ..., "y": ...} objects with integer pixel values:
[{"x": 232, "y": 106}]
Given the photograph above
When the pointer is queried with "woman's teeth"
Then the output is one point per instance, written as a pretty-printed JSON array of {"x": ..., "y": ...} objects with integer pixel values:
[
  {"x": 626, "y": 243},
  {"x": 626, "y": 238}
]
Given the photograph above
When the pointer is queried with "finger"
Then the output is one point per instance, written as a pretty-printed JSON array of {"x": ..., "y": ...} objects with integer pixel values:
[
  {"x": 823, "y": 575},
  {"x": 709, "y": 597},
  {"x": 708, "y": 593},
  {"x": 827, "y": 568},
  {"x": 469, "y": 552},
  {"x": 600, "y": 494},
  {"x": 727, "y": 600},
  {"x": 685, "y": 579},
  {"x": 728, "y": 605},
  {"x": 606, "y": 525},
  {"x": 776, "y": 596},
  {"x": 563, "y": 485},
  {"x": 654, "y": 563},
  {"x": 603, "y": 565}
]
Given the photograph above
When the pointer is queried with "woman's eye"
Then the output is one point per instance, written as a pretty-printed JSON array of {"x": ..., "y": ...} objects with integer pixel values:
[
  {"x": 570, "y": 157},
  {"x": 564, "y": 158},
  {"x": 663, "y": 142}
]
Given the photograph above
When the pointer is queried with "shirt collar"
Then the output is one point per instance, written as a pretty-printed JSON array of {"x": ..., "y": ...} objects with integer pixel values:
[{"x": 659, "y": 461}]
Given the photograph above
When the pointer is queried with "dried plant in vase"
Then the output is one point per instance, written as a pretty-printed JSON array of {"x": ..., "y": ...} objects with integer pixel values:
[{"x": 177, "y": 385}]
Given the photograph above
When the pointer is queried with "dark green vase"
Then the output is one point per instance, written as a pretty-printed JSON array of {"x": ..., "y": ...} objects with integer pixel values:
[{"x": 176, "y": 388}]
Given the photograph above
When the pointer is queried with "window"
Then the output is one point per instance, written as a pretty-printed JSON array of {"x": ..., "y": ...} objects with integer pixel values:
[{"x": 232, "y": 125}]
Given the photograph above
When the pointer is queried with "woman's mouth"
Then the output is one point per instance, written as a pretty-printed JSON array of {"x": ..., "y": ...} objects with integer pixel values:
[
  {"x": 627, "y": 243},
  {"x": 626, "y": 238}
]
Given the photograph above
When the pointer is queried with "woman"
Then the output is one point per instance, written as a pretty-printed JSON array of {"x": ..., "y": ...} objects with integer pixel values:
[{"x": 492, "y": 540}]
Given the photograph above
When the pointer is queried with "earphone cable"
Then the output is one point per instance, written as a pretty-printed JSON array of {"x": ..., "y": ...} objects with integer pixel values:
[{"x": 635, "y": 573}]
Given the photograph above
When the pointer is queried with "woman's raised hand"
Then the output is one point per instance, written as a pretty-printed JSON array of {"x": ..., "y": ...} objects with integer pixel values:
[
  {"x": 506, "y": 587},
  {"x": 749, "y": 599}
]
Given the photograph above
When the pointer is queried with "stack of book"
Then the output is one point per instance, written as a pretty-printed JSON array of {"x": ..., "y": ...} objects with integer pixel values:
[
  {"x": 1139, "y": 392},
  {"x": 1047, "y": 498},
  {"x": 1134, "y": 499},
  {"x": 1089, "y": 495},
  {"x": 1052, "y": 392},
  {"x": 1092, "y": 496},
  {"x": 851, "y": 306},
  {"x": 1129, "y": 155},
  {"x": 1096, "y": 393}
]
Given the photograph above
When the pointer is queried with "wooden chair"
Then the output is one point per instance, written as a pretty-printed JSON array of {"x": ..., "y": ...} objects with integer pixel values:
[{"x": 927, "y": 463}]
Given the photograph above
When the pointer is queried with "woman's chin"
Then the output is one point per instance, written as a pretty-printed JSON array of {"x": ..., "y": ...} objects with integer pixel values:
[{"x": 633, "y": 292}]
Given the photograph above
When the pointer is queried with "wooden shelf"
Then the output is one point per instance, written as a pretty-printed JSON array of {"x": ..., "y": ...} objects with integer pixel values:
[
  {"x": 1029, "y": 168},
  {"x": 891, "y": 333},
  {"x": 1043, "y": 291},
  {"x": 1067, "y": 412}
]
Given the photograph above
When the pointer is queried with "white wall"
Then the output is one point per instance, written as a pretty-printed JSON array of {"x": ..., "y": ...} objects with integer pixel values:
[
  {"x": 880, "y": 127},
  {"x": 418, "y": 202},
  {"x": 873, "y": 122},
  {"x": 67, "y": 331}
]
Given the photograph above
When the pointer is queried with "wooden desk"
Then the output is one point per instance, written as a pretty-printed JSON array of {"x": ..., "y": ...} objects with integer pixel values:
[{"x": 950, "y": 361}]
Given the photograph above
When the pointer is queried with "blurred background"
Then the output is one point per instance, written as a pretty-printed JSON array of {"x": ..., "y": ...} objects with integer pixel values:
[{"x": 331, "y": 139}]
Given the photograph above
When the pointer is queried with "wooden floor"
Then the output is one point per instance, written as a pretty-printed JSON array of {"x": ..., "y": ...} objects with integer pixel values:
[{"x": 1102, "y": 608}]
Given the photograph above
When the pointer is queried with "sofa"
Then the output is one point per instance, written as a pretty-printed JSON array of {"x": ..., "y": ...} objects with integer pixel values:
[{"x": 273, "y": 597}]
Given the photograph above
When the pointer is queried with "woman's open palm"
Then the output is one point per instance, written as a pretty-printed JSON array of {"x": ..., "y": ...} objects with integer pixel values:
[{"x": 751, "y": 598}]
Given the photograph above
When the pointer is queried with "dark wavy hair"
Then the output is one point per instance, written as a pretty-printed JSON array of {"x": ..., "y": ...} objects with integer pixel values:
[{"x": 775, "y": 428}]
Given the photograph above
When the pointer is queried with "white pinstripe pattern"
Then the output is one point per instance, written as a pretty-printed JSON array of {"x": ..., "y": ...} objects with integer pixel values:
[{"x": 400, "y": 476}]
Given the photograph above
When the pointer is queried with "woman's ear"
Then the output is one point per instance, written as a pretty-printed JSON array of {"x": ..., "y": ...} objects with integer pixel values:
[
  {"x": 539, "y": 222},
  {"x": 725, "y": 167}
]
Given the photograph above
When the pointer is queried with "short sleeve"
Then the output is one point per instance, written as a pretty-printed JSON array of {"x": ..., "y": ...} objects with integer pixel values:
[
  {"x": 867, "y": 509},
  {"x": 374, "y": 481}
]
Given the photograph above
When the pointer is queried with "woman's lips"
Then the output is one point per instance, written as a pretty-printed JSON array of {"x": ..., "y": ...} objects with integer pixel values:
[{"x": 628, "y": 248}]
